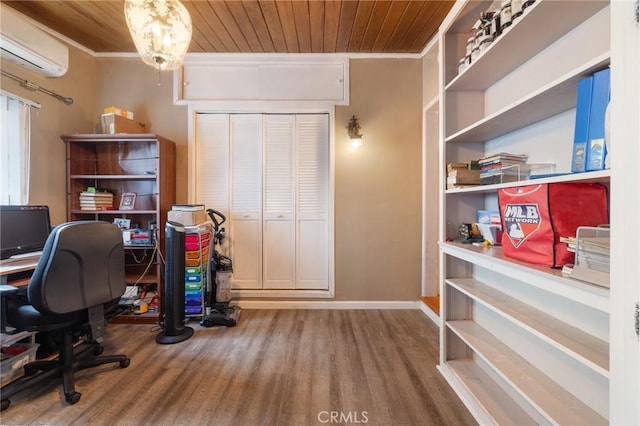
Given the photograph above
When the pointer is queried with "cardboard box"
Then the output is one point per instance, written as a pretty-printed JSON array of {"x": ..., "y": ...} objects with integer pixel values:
[
  {"x": 113, "y": 123},
  {"x": 118, "y": 111},
  {"x": 187, "y": 218}
]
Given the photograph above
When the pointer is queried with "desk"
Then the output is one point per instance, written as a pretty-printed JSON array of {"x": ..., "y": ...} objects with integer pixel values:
[{"x": 16, "y": 267}]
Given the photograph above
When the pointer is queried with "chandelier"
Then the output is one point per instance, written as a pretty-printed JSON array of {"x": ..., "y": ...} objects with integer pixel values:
[{"x": 161, "y": 31}]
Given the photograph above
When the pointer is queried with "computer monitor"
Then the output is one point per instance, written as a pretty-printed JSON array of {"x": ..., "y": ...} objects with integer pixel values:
[{"x": 23, "y": 229}]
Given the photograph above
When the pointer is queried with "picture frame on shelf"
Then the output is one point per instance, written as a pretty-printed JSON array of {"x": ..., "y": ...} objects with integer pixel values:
[
  {"x": 127, "y": 201},
  {"x": 122, "y": 223}
]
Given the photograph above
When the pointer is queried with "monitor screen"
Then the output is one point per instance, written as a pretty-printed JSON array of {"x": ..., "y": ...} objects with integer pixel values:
[{"x": 23, "y": 229}]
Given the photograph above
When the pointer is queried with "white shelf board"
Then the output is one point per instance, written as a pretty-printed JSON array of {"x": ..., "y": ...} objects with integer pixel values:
[
  {"x": 545, "y": 278},
  {"x": 497, "y": 407},
  {"x": 525, "y": 38},
  {"x": 600, "y": 176},
  {"x": 572, "y": 341},
  {"x": 547, "y": 101},
  {"x": 553, "y": 402},
  {"x": 433, "y": 105},
  {"x": 121, "y": 177}
]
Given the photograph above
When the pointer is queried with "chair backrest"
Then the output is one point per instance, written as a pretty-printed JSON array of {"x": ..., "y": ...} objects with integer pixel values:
[{"x": 82, "y": 265}]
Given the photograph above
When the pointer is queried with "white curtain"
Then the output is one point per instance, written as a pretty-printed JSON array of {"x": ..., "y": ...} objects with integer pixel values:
[{"x": 15, "y": 135}]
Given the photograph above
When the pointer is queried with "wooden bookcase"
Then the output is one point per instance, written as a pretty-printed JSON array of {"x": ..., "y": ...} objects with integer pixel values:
[{"x": 143, "y": 164}]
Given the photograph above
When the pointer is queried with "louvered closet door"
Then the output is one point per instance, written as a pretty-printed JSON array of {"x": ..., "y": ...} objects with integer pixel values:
[
  {"x": 312, "y": 178},
  {"x": 212, "y": 161},
  {"x": 246, "y": 200},
  {"x": 278, "y": 207}
]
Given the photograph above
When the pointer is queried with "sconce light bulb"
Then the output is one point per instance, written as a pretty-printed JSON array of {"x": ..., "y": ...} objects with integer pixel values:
[{"x": 356, "y": 142}]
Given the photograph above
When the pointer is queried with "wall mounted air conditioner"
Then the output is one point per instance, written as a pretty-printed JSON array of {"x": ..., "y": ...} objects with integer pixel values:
[{"x": 27, "y": 45}]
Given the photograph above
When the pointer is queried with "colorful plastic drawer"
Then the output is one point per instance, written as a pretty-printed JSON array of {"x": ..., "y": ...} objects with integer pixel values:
[
  {"x": 192, "y": 270},
  {"x": 193, "y": 310},
  {"x": 193, "y": 285}
]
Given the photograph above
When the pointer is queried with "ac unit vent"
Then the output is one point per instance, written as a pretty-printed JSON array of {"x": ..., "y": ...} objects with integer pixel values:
[{"x": 30, "y": 47}]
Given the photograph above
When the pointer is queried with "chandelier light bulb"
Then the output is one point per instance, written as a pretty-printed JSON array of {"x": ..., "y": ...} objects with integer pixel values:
[{"x": 161, "y": 31}]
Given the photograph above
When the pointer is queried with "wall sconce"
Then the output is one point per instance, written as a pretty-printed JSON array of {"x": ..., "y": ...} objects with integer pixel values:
[
  {"x": 353, "y": 130},
  {"x": 161, "y": 31}
]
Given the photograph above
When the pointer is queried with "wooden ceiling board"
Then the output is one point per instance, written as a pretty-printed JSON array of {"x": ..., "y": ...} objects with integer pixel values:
[
  {"x": 216, "y": 16},
  {"x": 376, "y": 21},
  {"x": 257, "y": 26},
  {"x": 391, "y": 22},
  {"x": 432, "y": 25},
  {"x": 331, "y": 24},
  {"x": 348, "y": 13},
  {"x": 316, "y": 25},
  {"x": 224, "y": 25},
  {"x": 360, "y": 25},
  {"x": 301, "y": 24},
  {"x": 273, "y": 25},
  {"x": 409, "y": 15},
  {"x": 203, "y": 38},
  {"x": 285, "y": 12}
]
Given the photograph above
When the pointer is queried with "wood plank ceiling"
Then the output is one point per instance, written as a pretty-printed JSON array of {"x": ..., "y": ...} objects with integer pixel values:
[{"x": 298, "y": 26}]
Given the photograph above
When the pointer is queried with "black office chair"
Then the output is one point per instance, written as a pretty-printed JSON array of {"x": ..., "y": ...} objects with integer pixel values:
[{"x": 80, "y": 272}]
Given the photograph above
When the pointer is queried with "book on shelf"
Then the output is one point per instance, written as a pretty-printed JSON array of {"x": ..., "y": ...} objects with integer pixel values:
[
  {"x": 581, "y": 127},
  {"x": 503, "y": 157},
  {"x": 600, "y": 96},
  {"x": 90, "y": 200},
  {"x": 93, "y": 195},
  {"x": 96, "y": 208}
]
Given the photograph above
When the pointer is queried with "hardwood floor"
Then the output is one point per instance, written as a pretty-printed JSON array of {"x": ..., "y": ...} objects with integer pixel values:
[{"x": 277, "y": 367}]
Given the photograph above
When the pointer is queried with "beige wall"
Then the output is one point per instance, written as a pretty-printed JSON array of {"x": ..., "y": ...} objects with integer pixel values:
[
  {"x": 378, "y": 195},
  {"x": 48, "y": 160},
  {"x": 378, "y": 187},
  {"x": 134, "y": 86}
]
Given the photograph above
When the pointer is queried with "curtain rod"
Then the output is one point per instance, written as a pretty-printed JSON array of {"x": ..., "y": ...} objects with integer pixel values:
[{"x": 34, "y": 87}]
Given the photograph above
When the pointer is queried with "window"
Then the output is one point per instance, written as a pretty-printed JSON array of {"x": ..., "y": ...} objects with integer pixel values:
[{"x": 14, "y": 148}]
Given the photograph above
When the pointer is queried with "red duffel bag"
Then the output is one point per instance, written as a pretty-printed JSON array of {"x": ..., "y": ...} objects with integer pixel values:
[{"x": 534, "y": 218}]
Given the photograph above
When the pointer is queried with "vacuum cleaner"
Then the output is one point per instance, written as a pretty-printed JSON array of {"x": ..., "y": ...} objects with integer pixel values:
[{"x": 218, "y": 308}]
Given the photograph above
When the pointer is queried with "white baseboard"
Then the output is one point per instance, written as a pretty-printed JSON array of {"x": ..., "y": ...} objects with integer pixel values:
[
  {"x": 328, "y": 304},
  {"x": 430, "y": 314}
]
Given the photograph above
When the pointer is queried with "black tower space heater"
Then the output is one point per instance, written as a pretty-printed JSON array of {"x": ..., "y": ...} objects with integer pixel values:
[{"x": 174, "y": 317}]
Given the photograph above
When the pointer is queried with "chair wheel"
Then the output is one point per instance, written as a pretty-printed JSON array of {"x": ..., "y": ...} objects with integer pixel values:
[
  {"x": 125, "y": 363},
  {"x": 5, "y": 404},
  {"x": 73, "y": 398},
  {"x": 98, "y": 350}
]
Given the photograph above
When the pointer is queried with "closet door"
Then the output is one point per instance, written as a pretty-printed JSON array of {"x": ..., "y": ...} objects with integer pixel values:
[
  {"x": 312, "y": 178},
  {"x": 212, "y": 161},
  {"x": 278, "y": 208},
  {"x": 245, "y": 233}
]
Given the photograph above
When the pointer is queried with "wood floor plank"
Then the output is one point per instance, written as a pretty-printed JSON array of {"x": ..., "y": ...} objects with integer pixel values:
[{"x": 277, "y": 367}]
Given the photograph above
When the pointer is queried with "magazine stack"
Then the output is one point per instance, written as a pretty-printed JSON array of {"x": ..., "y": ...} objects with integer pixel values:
[{"x": 503, "y": 167}]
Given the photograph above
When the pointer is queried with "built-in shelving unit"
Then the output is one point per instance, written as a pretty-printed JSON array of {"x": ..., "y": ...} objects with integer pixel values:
[{"x": 520, "y": 343}]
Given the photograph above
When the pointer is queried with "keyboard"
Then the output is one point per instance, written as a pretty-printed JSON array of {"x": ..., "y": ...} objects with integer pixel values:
[{"x": 24, "y": 256}]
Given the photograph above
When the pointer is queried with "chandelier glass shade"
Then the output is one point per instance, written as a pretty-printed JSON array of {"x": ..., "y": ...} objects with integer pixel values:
[{"x": 161, "y": 31}]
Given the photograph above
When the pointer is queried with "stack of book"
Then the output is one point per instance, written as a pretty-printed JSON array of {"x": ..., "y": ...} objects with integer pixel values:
[
  {"x": 96, "y": 200},
  {"x": 463, "y": 174},
  {"x": 592, "y": 248},
  {"x": 503, "y": 167}
]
